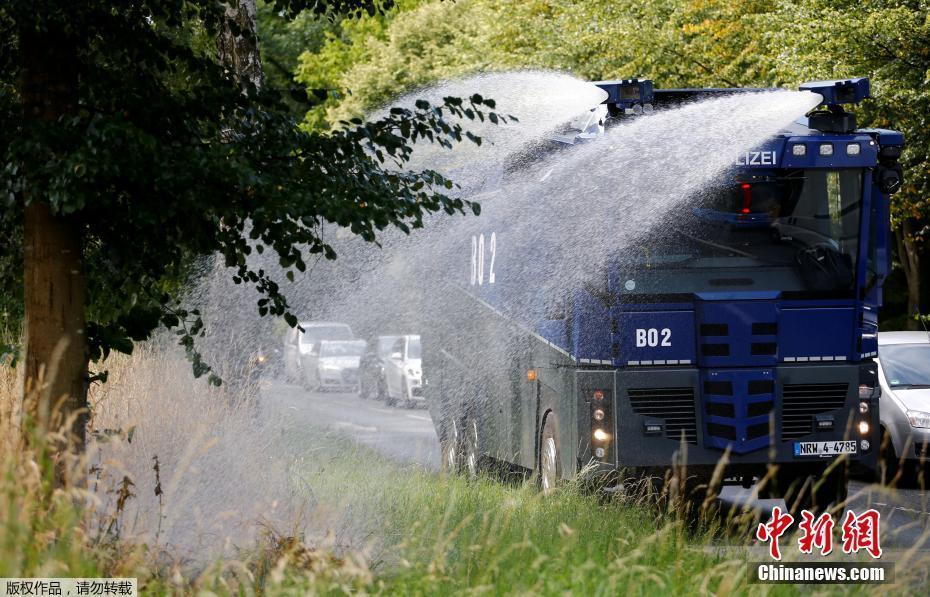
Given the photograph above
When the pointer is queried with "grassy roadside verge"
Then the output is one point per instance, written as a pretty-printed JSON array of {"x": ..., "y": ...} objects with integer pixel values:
[
  {"x": 445, "y": 535},
  {"x": 368, "y": 525}
]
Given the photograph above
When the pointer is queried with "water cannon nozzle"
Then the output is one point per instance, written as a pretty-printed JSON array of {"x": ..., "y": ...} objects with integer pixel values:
[
  {"x": 627, "y": 93},
  {"x": 840, "y": 91}
]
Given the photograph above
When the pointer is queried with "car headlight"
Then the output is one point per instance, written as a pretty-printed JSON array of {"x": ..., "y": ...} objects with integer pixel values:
[{"x": 918, "y": 419}]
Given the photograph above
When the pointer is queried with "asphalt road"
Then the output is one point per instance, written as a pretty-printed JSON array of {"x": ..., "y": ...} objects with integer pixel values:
[{"x": 407, "y": 436}]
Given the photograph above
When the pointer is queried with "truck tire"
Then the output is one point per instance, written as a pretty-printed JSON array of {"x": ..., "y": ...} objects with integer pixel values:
[
  {"x": 550, "y": 466},
  {"x": 450, "y": 447},
  {"x": 472, "y": 455}
]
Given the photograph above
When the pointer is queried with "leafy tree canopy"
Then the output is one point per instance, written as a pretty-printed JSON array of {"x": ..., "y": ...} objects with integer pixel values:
[
  {"x": 165, "y": 155},
  {"x": 678, "y": 43}
]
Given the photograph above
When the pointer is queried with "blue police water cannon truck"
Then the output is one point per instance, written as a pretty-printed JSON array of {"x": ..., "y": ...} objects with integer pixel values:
[{"x": 744, "y": 336}]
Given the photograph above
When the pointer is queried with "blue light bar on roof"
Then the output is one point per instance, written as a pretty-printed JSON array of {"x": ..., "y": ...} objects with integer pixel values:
[
  {"x": 627, "y": 92},
  {"x": 840, "y": 91}
]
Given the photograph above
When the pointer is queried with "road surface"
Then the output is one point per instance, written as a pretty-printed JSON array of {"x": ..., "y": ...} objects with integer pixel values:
[{"x": 407, "y": 436}]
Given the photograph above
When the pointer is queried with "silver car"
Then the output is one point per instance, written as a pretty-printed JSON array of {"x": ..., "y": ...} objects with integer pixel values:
[
  {"x": 302, "y": 349},
  {"x": 904, "y": 375},
  {"x": 337, "y": 366}
]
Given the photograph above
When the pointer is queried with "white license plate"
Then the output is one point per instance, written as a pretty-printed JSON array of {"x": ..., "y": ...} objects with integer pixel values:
[{"x": 824, "y": 448}]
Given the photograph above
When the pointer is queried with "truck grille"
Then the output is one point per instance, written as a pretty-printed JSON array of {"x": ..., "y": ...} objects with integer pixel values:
[
  {"x": 675, "y": 406},
  {"x": 802, "y": 402}
]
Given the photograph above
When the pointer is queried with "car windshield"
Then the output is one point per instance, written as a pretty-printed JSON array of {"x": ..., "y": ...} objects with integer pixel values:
[
  {"x": 413, "y": 348},
  {"x": 313, "y": 334},
  {"x": 384, "y": 345},
  {"x": 906, "y": 365},
  {"x": 342, "y": 349},
  {"x": 792, "y": 231}
]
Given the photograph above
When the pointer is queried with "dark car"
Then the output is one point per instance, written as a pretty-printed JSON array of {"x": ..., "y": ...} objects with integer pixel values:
[{"x": 371, "y": 370}]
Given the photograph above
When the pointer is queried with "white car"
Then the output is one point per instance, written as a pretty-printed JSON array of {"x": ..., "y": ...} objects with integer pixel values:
[
  {"x": 402, "y": 372},
  {"x": 904, "y": 375},
  {"x": 302, "y": 348},
  {"x": 337, "y": 366}
]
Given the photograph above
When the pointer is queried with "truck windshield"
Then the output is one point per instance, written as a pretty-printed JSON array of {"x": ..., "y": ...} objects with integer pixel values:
[{"x": 793, "y": 231}]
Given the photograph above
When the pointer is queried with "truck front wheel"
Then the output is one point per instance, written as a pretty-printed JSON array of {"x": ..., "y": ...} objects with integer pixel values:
[
  {"x": 472, "y": 451},
  {"x": 450, "y": 449},
  {"x": 550, "y": 468}
]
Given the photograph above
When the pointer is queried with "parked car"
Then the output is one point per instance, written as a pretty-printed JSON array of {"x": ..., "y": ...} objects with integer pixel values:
[
  {"x": 904, "y": 375},
  {"x": 371, "y": 383},
  {"x": 402, "y": 372},
  {"x": 302, "y": 348},
  {"x": 336, "y": 367}
]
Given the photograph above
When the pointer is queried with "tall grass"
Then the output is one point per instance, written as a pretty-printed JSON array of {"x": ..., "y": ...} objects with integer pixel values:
[
  {"x": 250, "y": 503},
  {"x": 222, "y": 467}
]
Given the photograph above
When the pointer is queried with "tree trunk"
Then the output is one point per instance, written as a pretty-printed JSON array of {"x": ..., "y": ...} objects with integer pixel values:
[
  {"x": 238, "y": 42},
  {"x": 55, "y": 363},
  {"x": 909, "y": 256}
]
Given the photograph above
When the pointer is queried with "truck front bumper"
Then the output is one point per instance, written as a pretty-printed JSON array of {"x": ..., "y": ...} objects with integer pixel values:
[{"x": 658, "y": 417}]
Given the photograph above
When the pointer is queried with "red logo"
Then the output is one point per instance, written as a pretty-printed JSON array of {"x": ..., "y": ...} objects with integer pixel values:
[
  {"x": 816, "y": 533},
  {"x": 859, "y": 532},
  {"x": 774, "y": 529},
  {"x": 862, "y": 532}
]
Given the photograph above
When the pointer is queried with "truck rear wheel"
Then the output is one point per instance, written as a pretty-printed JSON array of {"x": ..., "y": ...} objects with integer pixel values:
[
  {"x": 450, "y": 449},
  {"x": 472, "y": 450},
  {"x": 550, "y": 467}
]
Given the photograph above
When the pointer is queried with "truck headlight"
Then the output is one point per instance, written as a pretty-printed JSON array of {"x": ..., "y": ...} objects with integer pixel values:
[{"x": 918, "y": 419}]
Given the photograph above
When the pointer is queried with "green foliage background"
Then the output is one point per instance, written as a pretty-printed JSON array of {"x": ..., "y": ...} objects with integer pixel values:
[{"x": 677, "y": 43}]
